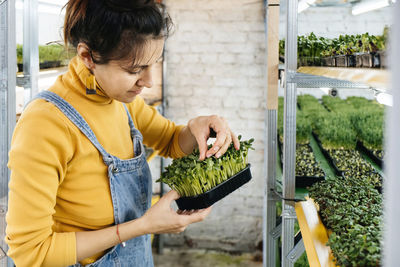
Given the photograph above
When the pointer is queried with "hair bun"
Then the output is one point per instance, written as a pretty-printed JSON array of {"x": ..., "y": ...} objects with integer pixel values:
[{"x": 130, "y": 5}]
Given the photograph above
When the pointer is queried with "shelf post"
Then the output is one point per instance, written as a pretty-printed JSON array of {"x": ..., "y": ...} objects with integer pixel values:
[
  {"x": 272, "y": 66},
  {"x": 31, "y": 48},
  {"x": 392, "y": 182},
  {"x": 289, "y": 136},
  {"x": 8, "y": 63}
]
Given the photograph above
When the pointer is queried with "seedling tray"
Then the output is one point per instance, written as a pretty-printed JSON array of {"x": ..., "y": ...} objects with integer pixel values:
[
  {"x": 341, "y": 61},
  {"x": 359, "y": 60},
  {"x": 369, "y": 153},
  {"x": 302, "y": 181},
  {"x": 217, "y": 193},
  {"x": 328, "y": 156},
  {"x": 383, "y": 59},
  {"x": 351, "y": 61}
]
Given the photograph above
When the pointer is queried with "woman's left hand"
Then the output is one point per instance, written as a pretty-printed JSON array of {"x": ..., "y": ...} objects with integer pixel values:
[{"x": 200, "y": 129}]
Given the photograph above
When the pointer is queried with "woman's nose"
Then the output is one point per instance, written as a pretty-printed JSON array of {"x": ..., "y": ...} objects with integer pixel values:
[{"x": 145, "y": 79}]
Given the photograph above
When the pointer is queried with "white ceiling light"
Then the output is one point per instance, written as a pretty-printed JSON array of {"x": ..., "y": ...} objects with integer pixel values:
[
  {"x": 370, "y": 5},
  {"x": 304, "y": 4},
  {"x": 385, "y": 99}
]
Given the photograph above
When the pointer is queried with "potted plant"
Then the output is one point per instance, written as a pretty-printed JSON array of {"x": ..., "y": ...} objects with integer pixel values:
[
  {"x": 20, "y": 58},
  {"x": 50, "y": 56},
  {"x": 202, "y": 183}
]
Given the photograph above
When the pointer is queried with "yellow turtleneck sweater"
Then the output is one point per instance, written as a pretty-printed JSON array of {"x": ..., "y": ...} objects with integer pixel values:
[{"x": 59, "y": 183}]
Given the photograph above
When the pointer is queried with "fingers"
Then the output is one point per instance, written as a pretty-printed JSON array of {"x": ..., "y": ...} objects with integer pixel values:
[
  {"x": 171, "y": 196},
  {"x": 193, "y": 216},
  {"x": 200, "y": 129},
  {"x": 236, "y": 142},
  {"x": 200, "y": 215},
  {"x": 216, "y": 149},
  {"x": 202, "y": 143}
]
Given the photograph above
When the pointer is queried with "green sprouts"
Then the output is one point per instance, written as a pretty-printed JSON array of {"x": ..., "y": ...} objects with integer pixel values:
[{"x": 190, "y": 176}]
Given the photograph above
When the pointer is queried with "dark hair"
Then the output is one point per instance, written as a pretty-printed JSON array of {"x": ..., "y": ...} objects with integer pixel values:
[{"x": 115, "y": 29}]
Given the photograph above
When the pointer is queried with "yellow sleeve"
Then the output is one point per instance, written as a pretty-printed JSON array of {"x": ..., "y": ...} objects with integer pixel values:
[
  {"x": 40, "y": 150},
  {"x": 158, "y": 132}
]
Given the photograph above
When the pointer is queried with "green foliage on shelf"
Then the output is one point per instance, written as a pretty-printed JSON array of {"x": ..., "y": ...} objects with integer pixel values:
[
  {"x": 190, "y": 176},
  {"x": 352, "y": 209},
  {"x": 303, "y": 125},
  {"x": 306, "y": 164},
  {"x": 48, "y": 53},
  {"x": 335, "y": 132},
  {"x": 51, "y": 53},
  {"x": 369, "y": 122},
  {"x": 314, "y": 47},
  {"x": 19, "y": 54}
]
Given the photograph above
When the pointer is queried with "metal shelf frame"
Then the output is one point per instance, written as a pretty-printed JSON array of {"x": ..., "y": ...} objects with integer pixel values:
[
  {"x": 290, "y": 250},
  {"x": 8, "y": 63},
  {"x": 376, "y": 80},
  {"x": 392, "y": 183}
]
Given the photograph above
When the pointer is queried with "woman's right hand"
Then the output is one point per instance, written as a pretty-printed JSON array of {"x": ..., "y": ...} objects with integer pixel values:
[{"x": 161, "y": 218}]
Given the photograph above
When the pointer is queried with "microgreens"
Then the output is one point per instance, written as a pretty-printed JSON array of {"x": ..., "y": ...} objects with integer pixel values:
[{"x": 190, "y": 176}]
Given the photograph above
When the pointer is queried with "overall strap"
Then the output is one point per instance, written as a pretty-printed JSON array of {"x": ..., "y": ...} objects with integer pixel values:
[
  {"x": 134, "y": 131},
  {"x": 136, "y": 135},
  {"x": 71, "y": 113}
]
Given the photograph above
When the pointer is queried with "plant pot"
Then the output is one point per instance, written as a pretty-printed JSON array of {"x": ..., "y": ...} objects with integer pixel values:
[
  {"x": 351, "y": 61},
  {"x": 50, "y": 64},
  {"x": 367, "y": 61},
  {"x": 359, "y": 60},
  {"x": 383, "y": 59},
  {"x": 341, "y": 61},
  {"x": 376, "y": 63},
  {"x": 310, "y": 61},
  {"x": 20, "y": 67},
  {"x": 325, "y": 61},
  {"x": 317, "y": 61},
  {"x": 217, "y": 193},
  {"x": 330, "y": 61}
]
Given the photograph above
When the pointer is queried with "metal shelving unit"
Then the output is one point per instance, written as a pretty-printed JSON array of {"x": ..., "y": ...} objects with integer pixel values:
[
  {"x": 8, "y": 63},
  {"x": 313, "y": 81},
  {"x": 350, "y": 77},
  {"x": 317, "y": 77}
]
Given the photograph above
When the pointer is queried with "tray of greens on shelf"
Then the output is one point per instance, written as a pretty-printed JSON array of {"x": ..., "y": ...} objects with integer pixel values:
[
  {"x": 338, "y": 126},
  {"x": 308, "y": 170},
  {"x": 202, "y": 183},
  {"x": 361, "y": 50},
  {"x": 368, "y": 120},
  {"x": 352, "y": 210},
  {"x": 358, "y": 121}
]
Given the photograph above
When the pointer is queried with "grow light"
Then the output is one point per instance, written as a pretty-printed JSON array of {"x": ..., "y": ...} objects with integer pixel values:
[
  {"x": 385, "y": 99},
  {"x": 371, "y": 5},
  {"x": 304, "y": 4}
]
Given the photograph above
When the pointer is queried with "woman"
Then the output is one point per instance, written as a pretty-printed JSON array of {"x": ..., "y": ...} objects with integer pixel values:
[{"x": 80, "y": 187}]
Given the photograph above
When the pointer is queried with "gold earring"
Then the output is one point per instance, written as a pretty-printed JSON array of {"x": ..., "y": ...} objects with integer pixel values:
[{"x": 91, "y": 85}]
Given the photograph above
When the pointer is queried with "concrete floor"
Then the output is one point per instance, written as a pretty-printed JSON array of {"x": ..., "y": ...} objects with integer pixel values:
[{"x": 175, "y": 257}]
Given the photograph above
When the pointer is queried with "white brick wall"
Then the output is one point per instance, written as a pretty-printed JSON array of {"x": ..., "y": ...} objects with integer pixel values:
[{"x": 215, "y": 66}]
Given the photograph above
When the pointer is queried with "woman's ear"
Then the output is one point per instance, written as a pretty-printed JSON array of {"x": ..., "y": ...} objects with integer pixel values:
[{"x": 85, "y": 56}]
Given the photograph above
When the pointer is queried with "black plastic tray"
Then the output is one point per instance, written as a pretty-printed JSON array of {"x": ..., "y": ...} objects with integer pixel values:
[
  {"x": 327, "y": 156},
  {"x": 374, "y": 158},
  {"x": 341, "y": 61},
  {"x": 302, "y": 181},
  {"x": 217, "y": 193}
]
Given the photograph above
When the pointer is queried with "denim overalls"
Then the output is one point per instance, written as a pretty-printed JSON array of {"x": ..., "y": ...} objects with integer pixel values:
[{"x": 131, "y": 189}]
